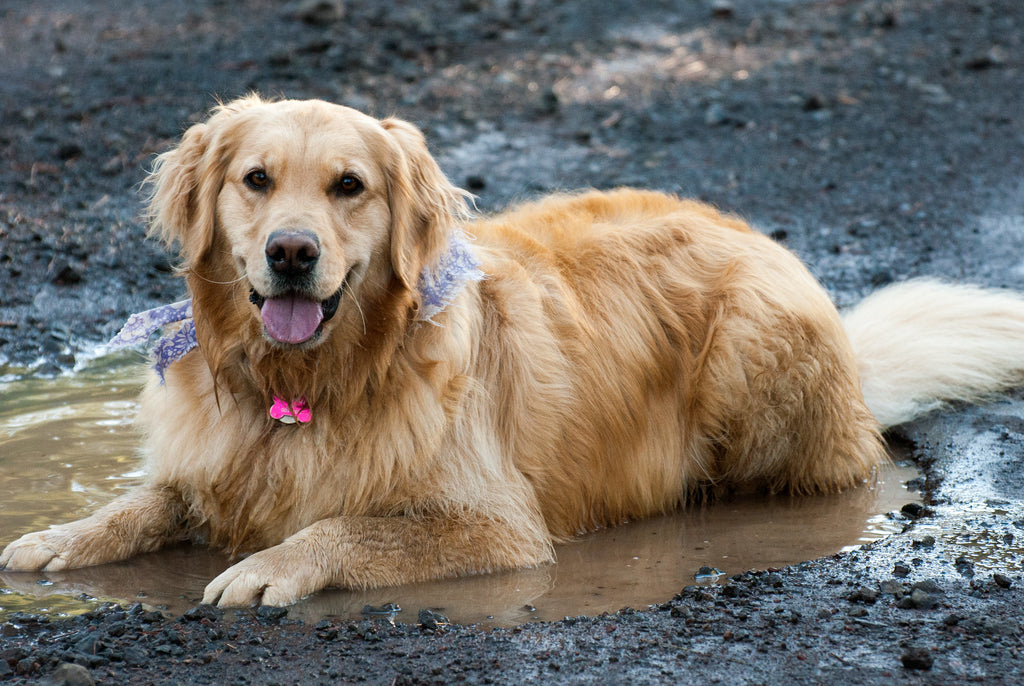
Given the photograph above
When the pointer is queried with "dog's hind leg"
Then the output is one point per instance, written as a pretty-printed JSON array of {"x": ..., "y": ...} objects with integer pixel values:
[{"x": 140, "y": 521}]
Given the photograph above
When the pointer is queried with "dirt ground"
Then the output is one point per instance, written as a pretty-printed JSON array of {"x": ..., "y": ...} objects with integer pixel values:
[{"x": 879, "y": 140}]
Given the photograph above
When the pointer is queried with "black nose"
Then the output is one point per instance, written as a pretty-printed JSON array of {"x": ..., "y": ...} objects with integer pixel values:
[{"x": 292, "y": 253}]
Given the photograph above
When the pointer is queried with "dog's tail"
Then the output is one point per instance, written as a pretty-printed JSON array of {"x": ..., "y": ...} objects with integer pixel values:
[{"x": 921, "y": 343}]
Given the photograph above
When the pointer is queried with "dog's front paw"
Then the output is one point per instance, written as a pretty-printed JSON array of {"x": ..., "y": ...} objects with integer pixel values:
[
  {"x": 278, "y": 576},
  {"x": 50, "y": 551}
]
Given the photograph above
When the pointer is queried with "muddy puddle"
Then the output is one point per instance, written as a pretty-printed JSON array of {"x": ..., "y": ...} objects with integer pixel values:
[{"x": 67, "y": 447}]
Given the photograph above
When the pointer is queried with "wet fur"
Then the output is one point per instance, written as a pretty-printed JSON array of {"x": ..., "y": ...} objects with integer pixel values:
[{"x": 626, "y": 351}]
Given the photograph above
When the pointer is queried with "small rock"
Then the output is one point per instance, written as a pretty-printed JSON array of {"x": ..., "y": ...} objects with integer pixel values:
[
  {"x": 926, "y": 542},
  {"x": 929, "y": 586},
  {"x": 475, "y": 183},
  {"x": 432, "y": 621},
  {"x": 549, "y": 102},
  {"x": 715, "y": 115},
  {"x": 1002, "y": 581},
  {"x": 994, "y": 57},
  {"x": 893, "y": 588},
  {"x": 900, "y": 570},
  {"x": 89, "y": 645},
  {"x": 918, "y": 600},
  {"x": 722, "y": 9},
  {"x": 916, "y": 657},
  {"x": 201, "y": 612},
  {"x": 317, "y": 12},
  {"x": 69, "y": 151},
  {"x": 67, "y": 274},
  {"x": 269, "y": 613},
  {"x": 964, "y": 566},
  {"x": 706, "y": 573},
  {"x": 863, "y": 595},
  {"x": 814, "y": 103},
  {"x": 913, "y": 510},
  {"x": 681, "y": 612}
]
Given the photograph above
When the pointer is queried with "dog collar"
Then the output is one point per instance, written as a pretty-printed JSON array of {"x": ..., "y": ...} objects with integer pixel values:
[{"x": 437, "y": 286}]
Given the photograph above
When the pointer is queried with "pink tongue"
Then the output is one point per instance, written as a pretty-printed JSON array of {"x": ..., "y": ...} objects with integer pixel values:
[{"x": 291, "y": 319}]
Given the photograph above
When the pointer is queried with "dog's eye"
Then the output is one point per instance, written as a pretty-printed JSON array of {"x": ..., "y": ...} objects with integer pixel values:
[
  {"x": 257, "y": 180},
  {"x": 348, "y": 185}
]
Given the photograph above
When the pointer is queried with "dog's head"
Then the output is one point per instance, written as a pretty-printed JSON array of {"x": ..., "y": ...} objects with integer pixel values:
[{"x": 301, "y": 208}]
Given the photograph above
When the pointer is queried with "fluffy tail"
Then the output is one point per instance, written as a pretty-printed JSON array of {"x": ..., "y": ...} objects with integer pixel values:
[{"x": 921, "y": 343}]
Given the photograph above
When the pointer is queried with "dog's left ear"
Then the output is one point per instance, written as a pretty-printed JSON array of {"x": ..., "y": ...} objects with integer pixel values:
[{"x": 425, "y": 205}]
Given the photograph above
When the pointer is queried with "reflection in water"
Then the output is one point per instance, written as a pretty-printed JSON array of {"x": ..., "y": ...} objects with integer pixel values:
[{"x": 66, "y": 447}]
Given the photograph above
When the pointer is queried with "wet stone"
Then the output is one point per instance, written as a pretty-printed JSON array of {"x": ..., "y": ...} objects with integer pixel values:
[
  {"x": 89, "y": 645},
  {"x": 69, "y": 674},
  {"x": 928, "y": 586},
  {"x": 430, "y": 620},
  {"x": 893, "y": 588},
  {"x": 1001, "y": 580},
  {"x": 201, "y": 612},
  {"x": 863, "y": 595},
  {"x": 926, "y": 542},
  {"x": 913, "y": 510},
  {"x": 918, "y": 600},
  {"x": 964, "y": 566},
  {"x": 916, "y": 657},
  {"x": 269, "y": 613}
]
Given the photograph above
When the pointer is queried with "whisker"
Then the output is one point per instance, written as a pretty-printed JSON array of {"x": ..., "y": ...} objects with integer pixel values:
[
  {"x": 356, "y": 301},
  {"x": 241, "y": 278}
]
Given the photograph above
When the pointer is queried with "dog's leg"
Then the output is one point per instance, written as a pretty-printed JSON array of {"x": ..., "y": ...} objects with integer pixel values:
[
  {"x": 364, "y": 552},
  {"x": 137, "y": 522}
]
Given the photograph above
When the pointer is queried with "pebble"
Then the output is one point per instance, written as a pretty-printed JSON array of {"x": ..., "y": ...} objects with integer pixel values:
[
  {"x": 706, "y": 573},
  {"x": 916, "y": 657},
  {"x": 715, "y": 115},
  {"x": 270, "y": 613},
  {"x": 964, "y": 566},
  {"x": 863, "y": 595},
  {"x": 913, "y": 510},
  {"x": 432, "y": 621},
  {"x": 317, "y": 12},
  {"x": 201, "y": 612},
  {"x": 893, "y": 588},
  {"x": 926, "y": 542},
  {"x": 722, "y": 9},
  {"x": 1002, "y": 581},
  {"x": 918, "y": 600}
]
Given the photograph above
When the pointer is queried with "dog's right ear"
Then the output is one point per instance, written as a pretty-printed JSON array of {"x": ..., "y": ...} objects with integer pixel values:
[
  {"x": 186, "y": 181},
  {"x": 182, "y": 201}
]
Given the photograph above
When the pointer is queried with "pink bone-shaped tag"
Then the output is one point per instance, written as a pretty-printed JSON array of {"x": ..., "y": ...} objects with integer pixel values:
[{"x": 291, "y": 413}]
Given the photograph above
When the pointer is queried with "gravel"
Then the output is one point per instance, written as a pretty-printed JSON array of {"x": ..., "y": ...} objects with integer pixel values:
[{"x": 879, "y": 140}]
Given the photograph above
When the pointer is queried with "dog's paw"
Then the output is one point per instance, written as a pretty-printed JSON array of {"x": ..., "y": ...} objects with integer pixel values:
[
  {"x": 276, "y": 576},
  {"x": 48, "y": 551}
]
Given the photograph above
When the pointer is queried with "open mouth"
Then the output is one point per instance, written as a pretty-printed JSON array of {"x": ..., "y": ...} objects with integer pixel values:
[{"x": 292, "y": 318}]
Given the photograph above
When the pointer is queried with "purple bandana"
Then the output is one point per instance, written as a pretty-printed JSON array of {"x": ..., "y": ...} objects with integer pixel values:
[
  {"x": 438, "y": 287},
  {"x": 171, "y": 347}
]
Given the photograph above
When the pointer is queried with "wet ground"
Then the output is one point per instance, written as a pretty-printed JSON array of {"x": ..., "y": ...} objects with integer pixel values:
[
  {"x": 880, "y": 140},
  {"x": 69, "y": 449}
]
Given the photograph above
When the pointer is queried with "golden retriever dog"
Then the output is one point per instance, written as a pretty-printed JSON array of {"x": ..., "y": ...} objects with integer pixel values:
[{"x": 382, "y": 390}]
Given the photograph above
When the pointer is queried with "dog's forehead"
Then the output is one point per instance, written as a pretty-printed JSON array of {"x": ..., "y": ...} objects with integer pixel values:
[{"x": 309, "y": 129}]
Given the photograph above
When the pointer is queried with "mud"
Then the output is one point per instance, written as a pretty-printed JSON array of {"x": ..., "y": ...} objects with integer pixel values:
[{"x": 880, "y": 140}]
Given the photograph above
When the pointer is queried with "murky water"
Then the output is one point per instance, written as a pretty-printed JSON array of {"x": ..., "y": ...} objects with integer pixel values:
[{"x": 67, "y": 446}]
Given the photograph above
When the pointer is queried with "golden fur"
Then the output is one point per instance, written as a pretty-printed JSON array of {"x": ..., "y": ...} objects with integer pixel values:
[{"x": 626, "y": 351}]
